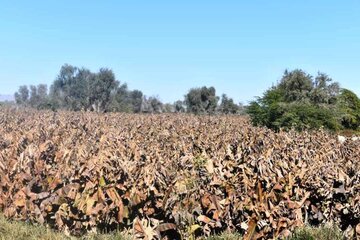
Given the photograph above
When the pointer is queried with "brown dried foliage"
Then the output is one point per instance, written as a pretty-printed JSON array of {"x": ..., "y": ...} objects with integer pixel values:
[{"x": 173, "y": 175}]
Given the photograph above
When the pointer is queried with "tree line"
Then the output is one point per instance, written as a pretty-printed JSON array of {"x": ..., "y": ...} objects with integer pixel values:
[
  {"x": 79, "y": 89},
  {"x": 298, "y": 100}
]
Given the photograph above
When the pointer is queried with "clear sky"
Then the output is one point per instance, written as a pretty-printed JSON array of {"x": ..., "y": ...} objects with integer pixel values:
[{"x": 166, "y": 47}]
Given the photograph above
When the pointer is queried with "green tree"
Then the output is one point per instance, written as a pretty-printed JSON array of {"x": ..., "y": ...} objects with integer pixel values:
[
  {"x": 151, "y": 105},
  {"x": 168, "y": 108},
  {"x": 34, "y": 97},
  {"x": 136, "y": 98},
  {"x": 298, "y": 102},
  {"x": 267, "y": 109},
  {"x": 349, "y": 108},
  {"x": 22, "y": 95},
  {"x": 37, "y": 96},
  {"x": 42, "y": 91},
  {"x": 227, "y": 105},
  {"x": 102, "y": 85},
  {"x": 121, "y": 100},
  {"x": 43, "y": 98},
  {"x": 324, "y": 90},
  {"x": 80, "y": 89},
  {"x": 296, "y": 85},
  {"x": 179, "y": 106},
  {"x": 201, "y": 100},
  {"x": 68, "y": 90}
]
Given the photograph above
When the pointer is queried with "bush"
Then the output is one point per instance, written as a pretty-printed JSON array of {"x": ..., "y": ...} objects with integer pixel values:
[
  {"x": 349, "y": 106},
  {"x": 300, "y": 103},
  {"x": 322, "y": 233},
  {"x": 11, "y": 230}
]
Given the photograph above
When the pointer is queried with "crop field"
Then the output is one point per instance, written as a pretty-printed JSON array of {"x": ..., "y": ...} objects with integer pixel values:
[{"x": 174, "y": 176}]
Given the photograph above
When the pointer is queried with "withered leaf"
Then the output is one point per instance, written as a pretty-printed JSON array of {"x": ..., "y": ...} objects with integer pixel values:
[{"x": 77, "y": 171}]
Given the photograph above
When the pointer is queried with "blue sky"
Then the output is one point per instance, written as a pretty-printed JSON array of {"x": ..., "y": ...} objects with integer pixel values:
[{"x": 165, "y": 47}]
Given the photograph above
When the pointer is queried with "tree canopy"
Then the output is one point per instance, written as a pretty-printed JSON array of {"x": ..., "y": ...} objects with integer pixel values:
[
  {"x": 228, "y": 106},
  {"x": 80, "y": 89},
  {"x": 36, "y": 96},
  {"x": 201, "y": 100},
  {"x": 302, "y": 102}
]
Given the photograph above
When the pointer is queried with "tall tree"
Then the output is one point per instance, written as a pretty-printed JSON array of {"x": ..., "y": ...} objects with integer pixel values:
[
  {"x": 42, "y": 95},
  {"x": 227, "y": 105},
  {"x": 179, "y": 106},
  {"x": 156, "y": 105},
  {"x": 296, "y": 85},
  {"x": 42, "y": 91},
  {"x": 151, "y": 105},
  {"x": 34, "y": 97},
  {"x": 22, "y": 95},
  {"x": 324, "y": 90},
  {"x": 201, "y": 100},
  {"x": 120, "y": 100},
  {"x": 102, "y": 85},
  {"x": 168, "y": 108},
  {"x": 80, "y": 89},
  {"x": 136, "y": 98},
  {"x": 63, "y": 91}
]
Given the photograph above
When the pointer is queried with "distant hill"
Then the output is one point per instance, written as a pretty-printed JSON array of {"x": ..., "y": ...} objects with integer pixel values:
[{"x": 4, "y": 98}]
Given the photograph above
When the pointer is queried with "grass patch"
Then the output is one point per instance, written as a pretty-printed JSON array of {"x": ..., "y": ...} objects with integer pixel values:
[
  {"x": 13, "y": 230},
  {"x": 321, "y": 233},
  {"x": 226, "y": 236}
]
